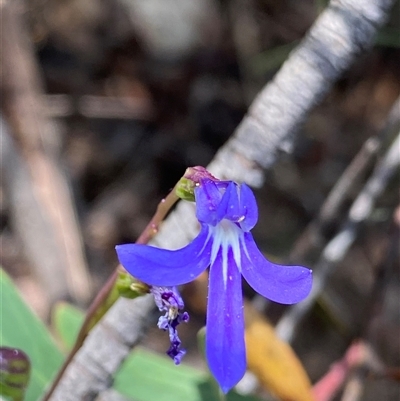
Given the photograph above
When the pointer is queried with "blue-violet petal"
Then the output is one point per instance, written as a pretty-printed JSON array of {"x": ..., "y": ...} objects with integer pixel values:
[
  {"x": 225, "y": 347},
  {"x": 229, "y": 207},
  {"x": 249, "y": 208},
  {"x": 279, "y": 283},
  {"x": 207, "y": 196},
  {"x": 161, "y": 267}
]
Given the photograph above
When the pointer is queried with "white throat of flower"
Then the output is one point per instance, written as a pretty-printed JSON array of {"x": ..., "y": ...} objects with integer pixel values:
[{"x": 226, "y": 235}]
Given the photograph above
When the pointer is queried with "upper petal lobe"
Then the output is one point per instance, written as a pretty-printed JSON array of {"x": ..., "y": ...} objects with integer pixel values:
[
  {"x": 249, "y": 207},
  {"x": 229, "y": 207},
  {"x": 208, "y": 197}
]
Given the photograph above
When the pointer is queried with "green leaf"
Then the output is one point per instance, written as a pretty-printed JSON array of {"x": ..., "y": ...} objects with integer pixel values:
[
  {"x": 146, "y": 376},
  {"x": 67, "y": 320},
  {"x": 165, "y": 382},
  {"x": 20, "y": 328}
]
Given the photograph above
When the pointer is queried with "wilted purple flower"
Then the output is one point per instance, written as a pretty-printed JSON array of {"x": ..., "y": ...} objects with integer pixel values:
[
  {"x": 169, "y": 300},
  {"x": 227, "y": 212}
]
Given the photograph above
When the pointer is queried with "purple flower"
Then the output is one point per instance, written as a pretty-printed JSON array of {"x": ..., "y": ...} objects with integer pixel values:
[
  {"x": 227, "y": 212},
  {"x": 169, "y": 300}
]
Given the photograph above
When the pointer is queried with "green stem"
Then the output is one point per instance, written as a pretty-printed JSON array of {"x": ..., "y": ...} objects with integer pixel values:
[{"x": 106, "y": 296}]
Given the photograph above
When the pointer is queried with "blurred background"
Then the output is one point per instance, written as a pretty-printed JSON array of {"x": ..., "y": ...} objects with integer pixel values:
[{"x": 105, "y": 103}]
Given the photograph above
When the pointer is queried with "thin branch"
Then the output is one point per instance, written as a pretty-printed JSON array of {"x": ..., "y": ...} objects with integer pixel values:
[
  {"x": 370, "y": 366},
  {"x": 337, "y": 248},
  {"x": 330, "y": 384},
  {"x": 57, "y": 252},
  {"x": 89, "y": 106},
  {"x": 27, "y": 216},
  {"x": 339, "y": 193},
  {"x": 354, "y": 388},
  {"x": 342, "y": 31},
  {"x": 358, "y": 355},
  {"x": 313, "y": 235}
]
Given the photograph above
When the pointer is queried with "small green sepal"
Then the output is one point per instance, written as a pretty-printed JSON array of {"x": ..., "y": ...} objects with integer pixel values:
[
  {"x": 185, "y": 189},
  {"x": 129, "y": 287},
  {"x": 189, "y": 181}
]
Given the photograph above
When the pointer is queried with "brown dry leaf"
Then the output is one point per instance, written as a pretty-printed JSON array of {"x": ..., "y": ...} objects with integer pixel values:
[{"x": 273, "y": 361}]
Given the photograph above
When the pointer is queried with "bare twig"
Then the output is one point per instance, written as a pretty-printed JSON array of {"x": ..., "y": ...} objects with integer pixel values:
[
  {"x": 339, "y": 193},
  {"x": 359, "y": 356},
  {"x": 98, "y": 107},
  {"x": 369, "y": 365},
  {"x": 20, "y": 192},
  {"x": 56, "y": 253},
  {"x": 342, "y": 31},
  {"x": 326, "y": 388},
  {"x": 313, "y": 236},
  {"x": 355, "y": 386},
  {"x": 337, "y": 248}
]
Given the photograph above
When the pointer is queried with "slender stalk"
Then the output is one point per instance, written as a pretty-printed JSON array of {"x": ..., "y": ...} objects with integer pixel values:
[
  {"x": 106, "y": 296},
  {"x": 338, "y": 246}
]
